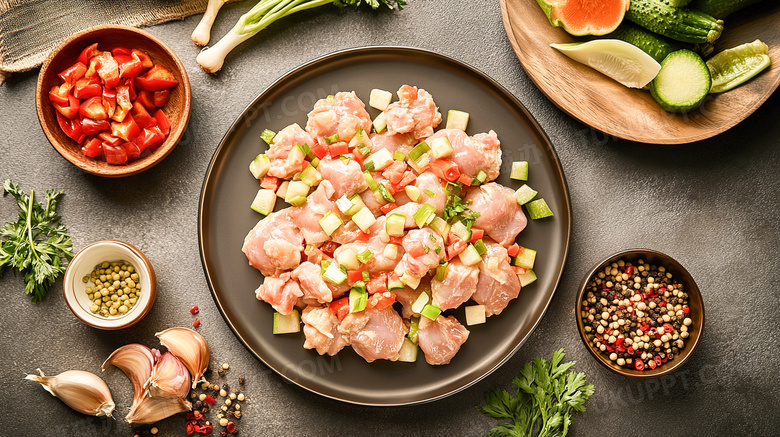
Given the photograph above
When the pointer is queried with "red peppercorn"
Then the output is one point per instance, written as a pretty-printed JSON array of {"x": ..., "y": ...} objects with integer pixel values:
[
  {"x": 686, "y": 310},
  {"x": 190, "y": 428},
  {"x": 639, "y": 365},
  {"x": 196, "y": 323},
  {"x": 197, "y": 415},
  {"x": 668, "y": 327},
  {"x": 209, "y": 400},
  {"x": 231, "y": 427},
  {"x": 630, "y": 350},
  {"x": 658, "y": 360},
  {"x": 194, "y": 310},
  {"x": 652, "y": 364}
]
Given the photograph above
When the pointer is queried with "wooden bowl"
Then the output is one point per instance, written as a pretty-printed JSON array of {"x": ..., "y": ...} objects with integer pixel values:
[
  {"x": 109, "y": 36},
  {"x": 695, "y": 303},
  {"x": 74, "y": 288}
]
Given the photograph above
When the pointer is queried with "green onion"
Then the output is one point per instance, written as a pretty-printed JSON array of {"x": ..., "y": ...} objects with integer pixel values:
[
  {"x": 370, "y": 180},
  {"x": 385, "y": 193},
  {"x": 418, "y": 150},
  {"x": 399, "y": 156},
  {"x": 267, "y": 136},
  {"x": 481, "y": 177},
  {"x": 363, "y": 149},
  {"x": 437, "y": 249},
  {"x": 441, "y": 271},
  {"x": 308, "y": 152},
  {"x": 369, "y": 165},
  {"x": 365, "y": 256},
  {"x": 345, "y": 158},
  {"x": 359, "y": 132},
  {"x": 357, "y": 300},
  {"x": 424, "y": 215},
  {"x": 430, "y": 193},
  {"x": 359, "y": 285},
  {"x": 366, "y": 276},
  {"x": 315, "y": 162},
  {"x": 414, "y": 327},
  {"x": 331, "y": 139},
  {"x": 480, "y": 246}
]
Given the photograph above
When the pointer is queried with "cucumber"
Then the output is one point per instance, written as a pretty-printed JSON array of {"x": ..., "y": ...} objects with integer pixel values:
[
  {"x": 683, "y": 82},
  {"x": 655, "y": 45},
  {"x": 430, "y": 311},
  {"x": 380, "y": 123},
  {"x": 393, "y": 283},
  {"x": 267, "y": 136},
  {"x": 420, "y": 302},
  {"x": 296, "y": 193},
  {"x": 470, "y": 256},
  {"x": 330, "y": 222},
  {"x": 457, "y": 119},
  {"x": 524, "y": 194},
  {"x": 334, "y": 274},
  {"x": 538, "y": 209},
  {"x": 475, "y": 315},
  {"x": 264, "y": 202},
  {"x": 364, "y": 219},
  {"x": 408, "y": 352},
  {"x": 721, "y": 8},
  {"x": 364, "y": 257},
  {"x": 526, "y": 258},
  {"x": 678, "y": 3},
  {"x": 410, "y": 280},
  {"x": 526, "y": 278},
  {"x": 287, "y": 324},
  {"x": 310, "y": 176},
  {"x": 394, "y": 225},
  {"x": 414, "y": 329},
  {"x": 681, "y": 24},
  {"x": 259, "y": 166},
  {"x": 441, "y": 148},
  {"x": 441, "y": 226},
  {"x": 380, "y": 99},
  {"x": 379, "y": 160},
  {"x": 519, "y": 171},
  {"x": 441, "y": 271},
  {"x": 480, "y": 178}
]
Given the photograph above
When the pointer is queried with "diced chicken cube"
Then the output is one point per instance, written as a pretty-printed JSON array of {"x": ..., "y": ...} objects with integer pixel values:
[
  {"x": 496, "y": 286},
  {"x": 441, "y": 339},
  {"x": 414, "y": 113},
  {"x": 274, "y": 245},
  {"x": 281, "y": 293},
  {"x": 500, "y": 216}
]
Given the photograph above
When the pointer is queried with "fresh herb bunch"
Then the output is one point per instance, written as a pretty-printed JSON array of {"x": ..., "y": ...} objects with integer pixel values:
[
  {"x": 455, "y": 209},
  {"x": 37, "y": 244},
  {"x": 547, "y": 396}
]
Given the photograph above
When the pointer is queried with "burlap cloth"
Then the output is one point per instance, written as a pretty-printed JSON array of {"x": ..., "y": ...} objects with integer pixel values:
[{"x": 30, "y": 29}]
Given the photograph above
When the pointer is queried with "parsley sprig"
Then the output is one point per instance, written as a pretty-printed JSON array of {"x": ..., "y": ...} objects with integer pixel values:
[
  {"x": 547, "y": 396},
  {"x": 456, "y": 209},
  {"x": 37, "y": 244}
]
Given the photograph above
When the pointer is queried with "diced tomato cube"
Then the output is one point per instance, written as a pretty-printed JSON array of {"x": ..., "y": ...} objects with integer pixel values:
[
  {"x": 161, "y": 97},
  {"x": 476, "y": 234},
  {"x": 465, "y": 180},
  {"x": 378, "y": 284},
  {"x": 162, "y": 122},
  {"x": 319, "y": 150},
  {"x": 92, "y": 148}
]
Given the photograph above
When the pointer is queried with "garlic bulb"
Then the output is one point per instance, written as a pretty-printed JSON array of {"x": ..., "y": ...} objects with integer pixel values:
[
  {"x": 189, "y": 347},
  {"x": 137, "y": 362},
  {"x": 154, "y": 409},
  {"x": 82, "y": 391},
  {"x": 169, "y": 379}
]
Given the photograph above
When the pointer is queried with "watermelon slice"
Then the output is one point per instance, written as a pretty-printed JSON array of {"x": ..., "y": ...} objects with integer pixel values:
[{"x": 585, "y": 17}]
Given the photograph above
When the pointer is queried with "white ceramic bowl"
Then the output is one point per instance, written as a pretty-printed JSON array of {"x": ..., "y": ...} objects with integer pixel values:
[{"x": 82, "y": 265}]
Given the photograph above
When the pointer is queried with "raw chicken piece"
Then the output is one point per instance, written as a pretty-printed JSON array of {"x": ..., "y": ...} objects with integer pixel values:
[
  {"x": 441, "y": 339},
  {"x": 279, "y": 150},
  {"x": 307, "y": 216},
  {"x": 406, "y": 296},
  {"x": 376, "y": 243},
  {"x": 407, "y": 210},
  {"x": 431, "y": 182},
  {"x": 402, "y": 142},
  {"x": 316, "y": 290},
  {"x": 472, "y": 154},
  {"x": 421, "y": 264},
  {"x": 381, "y": 337},
  {"x": 496, "y": 287},
  {"x": 371, "y": 202},
  {"x": 342, "y": 114},
  {"x": 353, "y": 323},
  {"x": 274, "y": 244},
  {"x": 346, "y": 178},
  {"x": 414, "y": 113},
  {"x": 349, "y": 232},
  {"x": 459, "y": 283},
  {"x": 500, "y": 215},
  {"x": 321, "y": 331},
  {"x": 281, "y": 293}
]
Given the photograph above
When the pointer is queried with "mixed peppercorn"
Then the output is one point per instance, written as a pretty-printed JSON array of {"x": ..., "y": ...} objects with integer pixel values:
[
  {"x": 206, "y": 397},
  {"x": 637, "y": 315}
]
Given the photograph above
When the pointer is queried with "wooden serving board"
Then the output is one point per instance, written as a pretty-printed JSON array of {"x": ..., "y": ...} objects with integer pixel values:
[{"x": 631, "y": 114}]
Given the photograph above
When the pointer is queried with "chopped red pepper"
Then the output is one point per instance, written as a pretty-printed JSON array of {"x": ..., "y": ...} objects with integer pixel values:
[
  {"x": 109, "y": 102},
  {"x": 70, "y": 111},
  {"x": 445, "y": 169},
  {"x": 162, "y": 122},
  {"x": 92, "y": 148},
  {"x": 58, "y": 95},
  {"x": 132, "y": 150},
  {"x": 354, "y": 276},
  {"x": 156, "y": 79},
  {"x": 161, "y": 97},
  {"x": 194, "y": 310},
  {"x": 465, "y": 180},
  {"x": 88, "y": 53},
  {"x": 115, "y": 155},
  {"x": 381, "y": 300},
  {"x": 657, "y": 360},
  {"x": 150, "y": 138},
  {"x": 340, "y": 308},
  {"x": 652, "y": 364},
  {"x": 146, "y": 61},
  {"x": 630, "y": 350},
  {"x": 72, "y": 128},
  {"x": 513, "y": 250},
  {"x": 141, "y": 116},
  {"x": 476, "y": 234},
  {"x": 388, "y": 207},
  {"x": 146, "y": 98},
  {"x": 270, "y": 183},
  {"x": 319, "y": 150},
  {"x": 378, "y": 284},
  {"x": 197, "y": 415},
  {"x": 93, "y": 108},
  {"x": 190, "y": 427},
  {"x": 73, "y": 73},
  {"x": 91, "y": 127},
  {"x": 338, "y": 148},
  {"x": 126, "y": 130},
  {"x": 110, "y": 139},
  {"x": 686, "y": 310}
]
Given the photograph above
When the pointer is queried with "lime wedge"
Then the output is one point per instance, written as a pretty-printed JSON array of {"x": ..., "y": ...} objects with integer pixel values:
[
  {"x": 624, "y": 62},
  {"x": 733, "y": 67}
]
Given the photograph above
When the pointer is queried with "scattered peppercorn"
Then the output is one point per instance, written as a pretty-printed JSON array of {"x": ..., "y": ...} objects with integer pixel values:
[
  {"x": 636, "y": 315},
  {"x": 194, "y": 310},
  {"x": 241, "y": 380},
  {"x": 196, "y": 323}
]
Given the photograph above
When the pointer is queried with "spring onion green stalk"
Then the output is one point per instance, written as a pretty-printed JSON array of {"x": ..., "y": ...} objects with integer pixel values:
[{"x": 266, "y": 12}]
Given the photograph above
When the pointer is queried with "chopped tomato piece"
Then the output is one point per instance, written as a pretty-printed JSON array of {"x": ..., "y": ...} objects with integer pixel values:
[
  {"x": 73, "y": 73},
  {"x": 340, "y": 308},
  {"x": 110, "y": 139},
  {"x": 156, "y": 79},
  {"x": 147, "y": 99},
  {"x": 513, "y": 250},
  {"x": 162, "y": 122},
  {"x": 58, "y": 95},
  {"x": 417, "y": 250},
  {"x": 127, "y": 130},
  {"x": 445, "y": 169},
  {"x": 388, "y": 207},
  {"x": 88, "y": 53},
  {"x": 354, "y": 276},
  {"x": 465, "y": 180},
  {"x": 338, "y": 148},
  {"x": 408, "y": 178},
  {"x": 91, "y": 127},
  {"x": 93, "y": 108},
  {"x": 381, "y": 300},
  {"x": 85, "y": 88},
  {"x": 115, "y": 155},
  {"x": 92, "y": 148},
  {"x": 70, "y": 111},
  {"x": 397, "y": 240},
  {"x": 142, "y": 117},
  {"x": 109, "y": 102},
  {"x": 132, "y": 150},
  {"x": 150, "y": 138},
  {"x": 72, "y": 128},
  {"x": 395, "y": 172},
  {"x": 378, "y": 284},
  {"x": 476, "y": 234},
  {"x": 270, "y": 183},
  {"x": 161, "y": 97},
  {"x": 455, "y": 247},
  {"x": 319, "y": 150},
  {"x": 146, "y": 61},
  {"x": 329, "y": 247}
]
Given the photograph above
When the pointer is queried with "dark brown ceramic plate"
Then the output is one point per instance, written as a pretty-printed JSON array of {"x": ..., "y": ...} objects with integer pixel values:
[{"x": 225, "y": 218}]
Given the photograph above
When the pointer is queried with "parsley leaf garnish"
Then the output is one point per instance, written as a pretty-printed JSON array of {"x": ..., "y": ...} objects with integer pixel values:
[
  {"x": 455, "y": 209},
  {"x": 37, "y": 244},
  {"x": 547, "y": 395}
]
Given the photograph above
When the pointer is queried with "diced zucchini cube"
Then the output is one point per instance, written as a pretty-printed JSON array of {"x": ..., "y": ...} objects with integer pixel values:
[
  {"x": 457, "y": 119},
  {"x": 460, "y": 231},
  {"x": 334, "y": 274},
  {"x": 310, "y": 176},
  {"x": 420, "y": 302},
  {"x": 264, "y": 202},
  {"x": 329, "y": 223},
  {"x": 538, "y": 209},
  {"x": 475, "y": 314},
  {"x": 259, "y": 166},
  {"x": 524, "y": 194},
  {"x": 411, "y": 281},
  {"x": 380, "y": 123},
  {"x": 526, "y": 258},
  {"x": 282, "y": 190},
  {"x": 380, "y": 99},
  {"x": 526, "y": 278},
  {"x": 379, "y": 159},
  {"x": 296, "y": 193},
  {"x": 287, "y": 324},
  {"x": 408, "y": 352},
  {"x": 441, "y": 148},
  {"x": 364, "y": 219},
  {"x": 430, "y": 311},
  {"x": 358, "y": 299},
  {"x": 470, "y": 256},
  {"x": 348, "y": 258},
  {"x": 519, "y": 171},
  {"x": 267, "y": 136}
]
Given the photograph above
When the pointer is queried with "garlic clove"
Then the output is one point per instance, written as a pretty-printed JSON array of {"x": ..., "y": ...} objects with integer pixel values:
[
  {"x": 137, "y": 362},
  {"x": 154, "y": 409},
  {"x": 169, "y": 379},
  {"x": 83, "y": 391},
  {"x": 189, "y": 347}
]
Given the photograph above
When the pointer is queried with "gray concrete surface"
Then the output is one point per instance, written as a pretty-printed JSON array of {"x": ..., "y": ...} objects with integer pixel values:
[{"x": 713, "y": 205}]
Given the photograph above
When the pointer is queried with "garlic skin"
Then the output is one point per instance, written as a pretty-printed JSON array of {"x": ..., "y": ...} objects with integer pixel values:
[
  {"x": 169, "y": 379},
  {"x": 137, "y": 362},
  {"x": 85, "y": 392},
  {"x": 154, "y": 409},
  {"x": 190, "y": 348}
]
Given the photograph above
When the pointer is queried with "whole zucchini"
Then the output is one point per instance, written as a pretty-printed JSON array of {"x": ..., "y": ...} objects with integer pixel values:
[
  {"x": 654, "y": 44},
  {"x": 681, "y": 24},
  {"x": 721, "y": 8}
]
